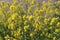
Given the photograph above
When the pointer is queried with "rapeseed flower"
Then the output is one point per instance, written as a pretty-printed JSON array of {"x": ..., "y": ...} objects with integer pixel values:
[
  {"x": 54, "y": 38},
  {"x": 30, "y": 17},
  {"x": 11, "y": 26},
  {"x": 13, "y": 16},
  {"x": 31, "y": 34},
  {"x": 29, "y": 20},
  {"x": 58, "y": 24},
  {"x": 12, "y": 7},
  {"x": 57, "y": 30},
  {"x": 53, "y": 21},
  {"x": 26, "y": 28},
  {"x": 7, "y": 37}
]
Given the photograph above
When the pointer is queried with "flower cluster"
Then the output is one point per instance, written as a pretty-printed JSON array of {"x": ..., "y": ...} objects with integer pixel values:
[{"x": 29, "y": 20}]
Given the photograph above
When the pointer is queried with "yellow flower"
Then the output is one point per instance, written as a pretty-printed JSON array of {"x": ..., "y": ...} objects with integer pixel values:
[
  {"x": 26, "y": 27},
  {"x": 25, "y": 22},
  {"x": 31, "y": 34},
  {"x": 54, "y": 38},
  {"x": 24, "y": 17},
  {"x": 11, "y": 26},
  {"x": 57, "y": 30},
  {"x": 57, "y": 11},
  {"x": 50, "y": 35},
  {"x": 32, "y": 2},
  {"x": 36, "y": 12},
  {"x": 37, "y": 26},
  {"x": 44, "y": 8},
  {"x": 53, "y": 20},
  {"x": 46, "y": 21},
  {"x": 7, "y": 37},
  {"x": 9, "y": 20},
  {"x": 14, "y": 39},
  {"x": 29, "y": 9},
  {"x": 51, "y": 28},
  {"x": 58, "y": 24},
  {"x": 51, "y": 11},
  {"x": 13, "y": 16},
  {"x": 30, "y": 17},
  {"x": 12, "y": 7},
  {"x": 16, "y": 34},
  {"x": 41, "y": 34},
  {"x": 46, "y": 29},
  {"x": 44, "y": 4}
]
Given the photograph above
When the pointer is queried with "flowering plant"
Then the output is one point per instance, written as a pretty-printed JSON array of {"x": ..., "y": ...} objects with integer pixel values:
[{"x": 29, "y": 20}]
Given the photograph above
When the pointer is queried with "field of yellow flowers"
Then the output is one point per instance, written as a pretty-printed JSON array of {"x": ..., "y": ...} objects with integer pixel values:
[{"x": 34, "y": 21}]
